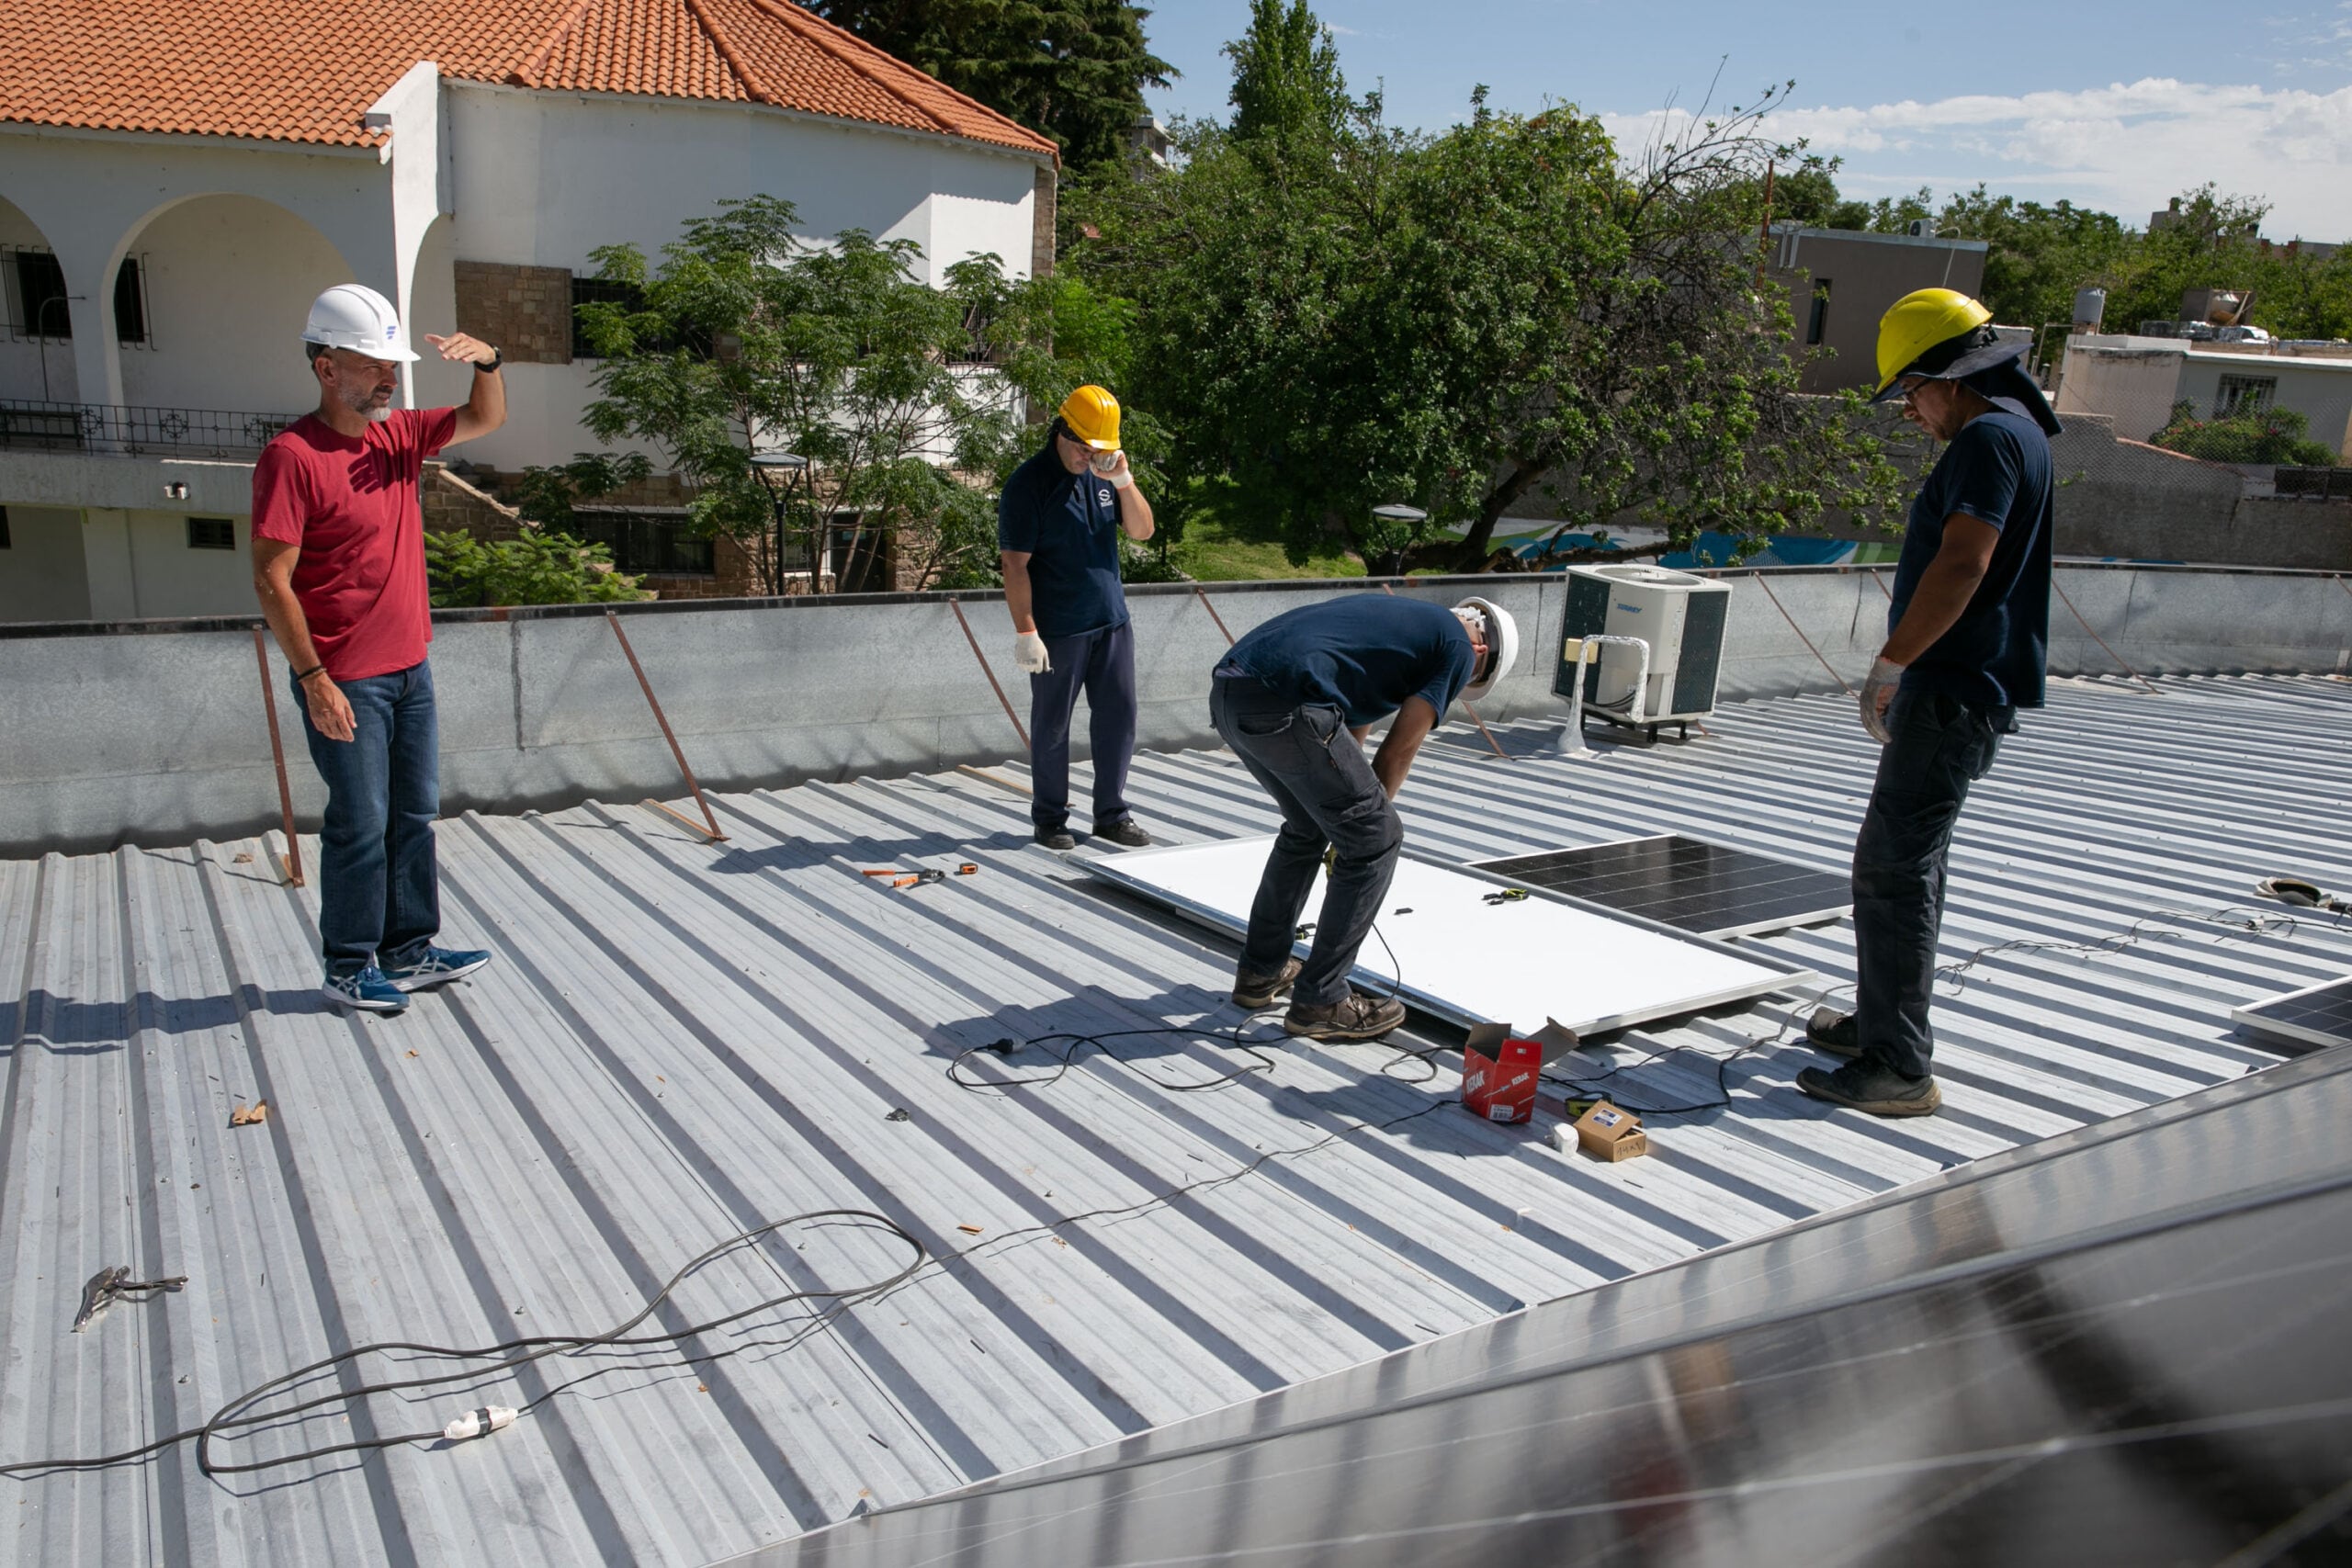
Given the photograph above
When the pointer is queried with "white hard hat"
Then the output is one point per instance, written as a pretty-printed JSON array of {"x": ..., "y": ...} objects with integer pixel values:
[
  {"x": 1502, "y": 643},
  {"x": 353, "y": 316}
]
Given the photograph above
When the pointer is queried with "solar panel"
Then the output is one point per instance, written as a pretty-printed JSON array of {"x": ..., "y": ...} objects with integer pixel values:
[
  {"x": 1447, "y": 949},
  {"x": 2315, "y": 1016},
  {"x": 1708, "y": 889}
]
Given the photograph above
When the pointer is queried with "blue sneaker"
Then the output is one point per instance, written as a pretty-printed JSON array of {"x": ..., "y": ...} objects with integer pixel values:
[
  {"x": 369, "y": 991},
  {"x": 437, "y": 966}
]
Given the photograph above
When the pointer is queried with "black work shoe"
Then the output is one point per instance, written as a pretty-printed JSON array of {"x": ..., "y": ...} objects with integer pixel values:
[
  {"x": 1353, "y": 1017},
  {"x": 1835, "y": 1032},
  {"x": 1123, "y": 832},
  {"x": 1255, "y": 991},
  {"x": 1056, "y": 838},
  {"x": 1858, "y": 1086}
]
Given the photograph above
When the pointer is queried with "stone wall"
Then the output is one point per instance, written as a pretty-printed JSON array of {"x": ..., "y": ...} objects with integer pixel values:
[
  {"x": 525, "y": 311},
  {"x": 1041, "y": 220},
  {"x": 453, "y": 506}
]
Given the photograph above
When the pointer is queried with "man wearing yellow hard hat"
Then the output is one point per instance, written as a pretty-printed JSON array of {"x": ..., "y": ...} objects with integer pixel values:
[
  {"x": 1057, "y": 529},
  {"x": 1967, "y": 635}
]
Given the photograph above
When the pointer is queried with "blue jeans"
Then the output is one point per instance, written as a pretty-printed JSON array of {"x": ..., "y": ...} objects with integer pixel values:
[
  {"x": 1316, "y": 773},
  {"x": 1102, "y": 663},
  {"x": 380, "y": 896},
  {"x": 1939, "y": 747}
]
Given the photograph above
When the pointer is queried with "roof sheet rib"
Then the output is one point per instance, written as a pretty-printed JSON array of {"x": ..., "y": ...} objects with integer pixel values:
[{"x": 680, "y": 1042}]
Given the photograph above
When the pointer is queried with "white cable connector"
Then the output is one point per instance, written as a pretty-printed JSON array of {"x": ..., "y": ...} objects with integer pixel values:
[{"x": 479, "y": 1423}]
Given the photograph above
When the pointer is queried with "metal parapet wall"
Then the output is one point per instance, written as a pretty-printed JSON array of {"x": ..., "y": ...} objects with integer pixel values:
[{"x": 154, "y": 733}]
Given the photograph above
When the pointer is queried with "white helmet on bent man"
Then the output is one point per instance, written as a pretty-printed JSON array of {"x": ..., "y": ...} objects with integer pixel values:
[
  {"x": 1502, "y": 644},
  {"x": 353, "y": 316}
]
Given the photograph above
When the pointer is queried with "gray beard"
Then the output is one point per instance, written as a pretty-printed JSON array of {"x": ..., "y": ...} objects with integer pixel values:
[{"x": 380, "y": 416}]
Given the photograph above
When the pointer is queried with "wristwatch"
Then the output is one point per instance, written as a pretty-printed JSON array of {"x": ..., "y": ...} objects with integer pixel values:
[{"x": 497, "y": 358}]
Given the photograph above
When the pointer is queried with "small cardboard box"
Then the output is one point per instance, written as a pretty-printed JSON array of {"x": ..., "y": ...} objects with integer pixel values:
[
  {"x": 1499, "y": 1072},
  {"x": 1606, "y": 1132}
]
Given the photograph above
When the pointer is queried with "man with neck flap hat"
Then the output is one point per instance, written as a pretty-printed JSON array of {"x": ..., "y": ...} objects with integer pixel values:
[{"x": 1967, "y": 634}]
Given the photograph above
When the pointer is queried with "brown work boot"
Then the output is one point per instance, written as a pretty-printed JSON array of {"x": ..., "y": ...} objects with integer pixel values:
[
  {"x": 1255, "y": 991},
  {"x": 1353, "y": 1017}
]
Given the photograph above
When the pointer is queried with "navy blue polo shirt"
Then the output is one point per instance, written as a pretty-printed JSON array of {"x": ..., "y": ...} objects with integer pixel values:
[
  {"x": 1996, "y": 470},
  {"x": 1068, "y": 526},
  {"x": 1363, "y": 654}
]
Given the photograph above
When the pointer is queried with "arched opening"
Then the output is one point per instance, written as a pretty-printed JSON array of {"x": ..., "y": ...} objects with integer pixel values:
[
  {"x": 228, "y": 281},
  {"x": 36, "y": 347}
]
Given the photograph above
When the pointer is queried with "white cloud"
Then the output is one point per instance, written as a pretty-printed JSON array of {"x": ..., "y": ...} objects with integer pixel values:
[{"x": 2124, "y": 148}]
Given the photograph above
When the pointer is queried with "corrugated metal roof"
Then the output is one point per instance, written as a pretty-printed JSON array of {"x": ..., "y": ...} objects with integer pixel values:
[{"x": 681, "y": 1042}]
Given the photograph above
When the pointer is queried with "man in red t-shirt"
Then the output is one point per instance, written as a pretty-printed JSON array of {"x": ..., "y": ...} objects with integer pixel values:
[{"x": 339, "y": 564}]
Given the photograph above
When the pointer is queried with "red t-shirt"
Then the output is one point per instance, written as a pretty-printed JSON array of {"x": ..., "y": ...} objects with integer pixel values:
[{"x": 349, "y": 502}]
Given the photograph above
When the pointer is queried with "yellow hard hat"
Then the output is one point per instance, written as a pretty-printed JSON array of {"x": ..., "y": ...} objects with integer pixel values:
[
  {"x": 1092, "y": 415},
  {"x": 1923, "y": 320}
]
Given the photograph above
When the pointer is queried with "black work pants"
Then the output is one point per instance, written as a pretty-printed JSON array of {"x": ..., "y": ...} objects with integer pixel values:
[
  {"x": 1102, "y": 665},
  {"x": 1316, "y": 773},
  {"x": 1939, "y": 746}
]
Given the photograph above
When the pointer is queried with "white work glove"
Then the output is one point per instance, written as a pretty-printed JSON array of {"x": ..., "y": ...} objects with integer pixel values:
[
  {"x": 1029, "y": 653},
  {"x": 1878, "y": 691}
]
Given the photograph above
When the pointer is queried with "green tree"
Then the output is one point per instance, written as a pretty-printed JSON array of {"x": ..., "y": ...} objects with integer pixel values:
[
  {"x": 535, "y": 568},
  {"x": 1286, "y": 78},
  {"x": 1072, "y": 70},
  {"x": 1465, "y": 320},
  {"x": 749, "y": 339},
  {"x": 2258, "y": 435},
  {"x": 2036, "y": 257}
]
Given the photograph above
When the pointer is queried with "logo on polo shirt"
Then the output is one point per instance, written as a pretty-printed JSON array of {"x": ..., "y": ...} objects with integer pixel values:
[{"x": 1102, "y": 497}]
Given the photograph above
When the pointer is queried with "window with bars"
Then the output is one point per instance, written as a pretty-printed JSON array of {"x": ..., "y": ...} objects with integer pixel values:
[
  {"x": 40, "y": 308},
  {"x": 212, "y": 533},
  {"x": 2244, "y": 394},
  {"x": 644, "y": 542}
]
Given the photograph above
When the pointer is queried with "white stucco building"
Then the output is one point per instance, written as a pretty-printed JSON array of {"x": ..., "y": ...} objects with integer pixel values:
[
  {"x": 2137, "y": 381},
  {"x": 178, "y": 182}
]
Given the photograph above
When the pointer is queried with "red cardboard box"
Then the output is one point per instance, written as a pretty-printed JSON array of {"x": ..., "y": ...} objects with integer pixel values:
[{"x": 1499, "y": 1072}]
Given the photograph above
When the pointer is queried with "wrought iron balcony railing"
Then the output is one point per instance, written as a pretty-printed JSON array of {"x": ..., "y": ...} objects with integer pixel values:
[{"x": 136, "y": 431}]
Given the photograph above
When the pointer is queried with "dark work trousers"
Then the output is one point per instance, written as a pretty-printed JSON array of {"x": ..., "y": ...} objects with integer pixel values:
[
  {"x": 1103, "y": 664},
  {"x": 379, "y": 895},
  {"x": 1939, "y": 747},
  {"x": 1316, "y": 773}
]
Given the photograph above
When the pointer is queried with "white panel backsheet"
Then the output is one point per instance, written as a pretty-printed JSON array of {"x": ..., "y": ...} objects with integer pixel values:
[{"x": 1522, "y": 963}]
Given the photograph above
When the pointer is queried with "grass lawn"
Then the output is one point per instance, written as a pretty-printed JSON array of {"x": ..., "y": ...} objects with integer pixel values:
[{"x": 1219, "y": 546}]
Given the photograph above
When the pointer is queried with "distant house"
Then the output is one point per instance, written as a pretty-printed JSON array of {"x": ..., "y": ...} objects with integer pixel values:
[
  {"x": 178, "y": 181},
  {"x": 2137, "y": 381},
  {"x": 1840, "y": 281}
]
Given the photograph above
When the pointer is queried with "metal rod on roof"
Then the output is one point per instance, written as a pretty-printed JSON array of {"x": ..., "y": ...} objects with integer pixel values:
[
  {"x": 291, "y": 863},
  {"x": 1463, "y": 700},
  {"x": 983, "y": 658},
  {"x": 663, "y": 720},
  {"x": 1202, "y": 594},
  {"x": 1800, "y": 636},
  {"x": 2059, "y": 589}
]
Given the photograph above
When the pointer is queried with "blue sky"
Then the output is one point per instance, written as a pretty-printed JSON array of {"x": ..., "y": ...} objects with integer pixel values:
[{"x": 2109, "y": 107}]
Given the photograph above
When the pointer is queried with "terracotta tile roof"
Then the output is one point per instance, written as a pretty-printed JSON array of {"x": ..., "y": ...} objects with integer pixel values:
[{"x": 305, "y": 69}]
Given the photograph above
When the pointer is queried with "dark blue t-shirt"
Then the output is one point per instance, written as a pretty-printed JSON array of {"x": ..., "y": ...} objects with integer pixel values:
[
  {"x": 1069, "y": 525},
  {"x": 1996, "y": 470},
  {"x": 1363, "y": 654}
]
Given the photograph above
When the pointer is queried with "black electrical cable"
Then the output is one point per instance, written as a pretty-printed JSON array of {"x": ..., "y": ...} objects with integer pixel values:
[{"x": 506, "y": 1357}]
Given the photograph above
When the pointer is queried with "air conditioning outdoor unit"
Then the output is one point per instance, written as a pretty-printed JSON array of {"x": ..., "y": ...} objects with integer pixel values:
[{"x": 1679, "y": 616}]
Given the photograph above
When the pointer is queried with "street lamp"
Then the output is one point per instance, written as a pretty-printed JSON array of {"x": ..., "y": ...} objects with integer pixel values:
[
  {"x": 1398, "y": 512},
  {"x": 789, "y": 464}
]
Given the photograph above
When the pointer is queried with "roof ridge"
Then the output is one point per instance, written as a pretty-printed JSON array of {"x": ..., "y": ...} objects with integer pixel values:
[
  {"x": 734, "y": 57},
  {"x": 528, "y": 74},
  {"x": 794, "y": 14}
]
